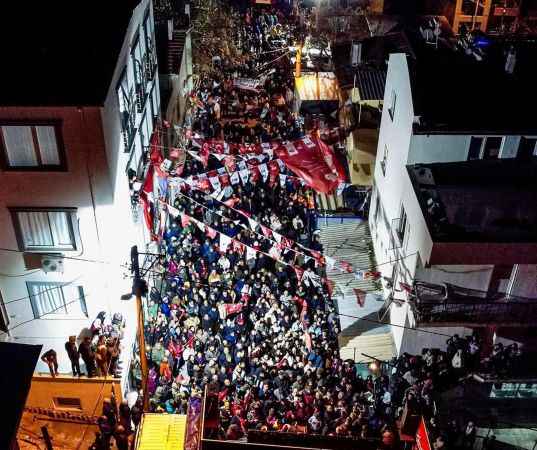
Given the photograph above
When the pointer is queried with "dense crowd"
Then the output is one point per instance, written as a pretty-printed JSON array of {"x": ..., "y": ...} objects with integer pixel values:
[{"x": 250, "y": 327}]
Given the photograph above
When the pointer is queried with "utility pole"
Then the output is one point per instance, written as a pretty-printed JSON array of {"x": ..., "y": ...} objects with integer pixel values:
[
  {"x": 46, "y": 438},
  {"x": 139, "y": 288}
]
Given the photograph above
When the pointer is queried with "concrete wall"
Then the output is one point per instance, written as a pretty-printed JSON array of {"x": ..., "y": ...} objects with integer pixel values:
[
  {"x": 85, "y": 186},
  {"x": 96, "y": 184},
  {"x": 91, "y": 392}
]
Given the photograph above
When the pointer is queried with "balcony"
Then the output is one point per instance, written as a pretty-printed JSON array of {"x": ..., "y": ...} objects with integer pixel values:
[{"x": 450, "y": 305}]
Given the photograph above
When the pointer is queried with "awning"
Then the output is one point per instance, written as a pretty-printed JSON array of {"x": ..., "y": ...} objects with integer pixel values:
[
  {"x": 161, "y": 432},
  {"x": 317, "y": 93}
]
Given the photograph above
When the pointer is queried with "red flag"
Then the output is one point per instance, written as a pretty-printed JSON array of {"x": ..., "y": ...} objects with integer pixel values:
[
  {"x": 286, "y": 242},
  {"x": 185, "y": 220},
  {"x": 266, "y": 231},
  {"x": 317, "y": 255},
  {"x": 237, "y": 246},
  {"x": 373, "y": 275},
  {"x": 190, "y": 342},
  {"x": 204, "y": 154},
  {"x": 360, "y": 297},
  {"x": 233, "y": 308},
  {"x": 231, "y": 202},
  {"x": 330, "y": 285},
  {"x": 210, "y": 232},
  {"x": 274, "y": 171},
  {"x": 298, "y": 272},
  {"x": 204, "y": 184},
  {"x": 255, "y": 176},
  {"x": 314, "y": 162},
  {"x": 347, "y": 267},
  {"x": 212, "y": 173}
]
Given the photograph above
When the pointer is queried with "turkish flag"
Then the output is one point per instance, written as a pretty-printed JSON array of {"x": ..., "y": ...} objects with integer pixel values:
[{"x": 314, "y": 162}]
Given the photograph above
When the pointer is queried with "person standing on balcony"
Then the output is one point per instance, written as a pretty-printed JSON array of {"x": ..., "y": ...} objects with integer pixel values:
[
  {"x": 88, "y": 356},
  {"x": 74, "y": 356},
  {"x": 50, "y": 359}
]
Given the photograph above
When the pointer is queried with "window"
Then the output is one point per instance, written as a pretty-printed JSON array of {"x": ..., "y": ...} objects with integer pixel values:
[
  {"x": 67, "y": 403},
  {"x": 4, "y": 318},
  {"x": 401, "y": 228},
  {"x": 31, "y": 147},
  {"x": 50, "y": 298},
  {"x": 45, "y": 230},
  {"x": 492, "y": 147},
  {"x": 526, "y": 148},
  {"x": 149, "y": 57},
  {"x": 384, "y": 161},
  {"x": 391, "y": 109},
  {"x": 475, "y": 148},
  {"x": 485, "y": 147},
  {"x": 127, "y": 109}
]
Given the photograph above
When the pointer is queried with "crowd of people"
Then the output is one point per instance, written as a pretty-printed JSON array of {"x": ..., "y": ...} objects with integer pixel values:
[
  {"x": 250, "y": 327},
  {"x": 99, "y": 348}
]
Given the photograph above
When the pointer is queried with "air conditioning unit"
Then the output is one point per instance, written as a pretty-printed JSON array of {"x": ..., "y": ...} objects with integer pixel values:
[{"x": 52, "y": 264}]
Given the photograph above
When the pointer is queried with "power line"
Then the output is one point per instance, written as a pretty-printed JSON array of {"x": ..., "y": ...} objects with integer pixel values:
[
  {"x": 62, "y": 256},
  {"x": 19, "y": 275},
  {"x": 43, "y": 291},
  {"x": 47, "y": 313}
]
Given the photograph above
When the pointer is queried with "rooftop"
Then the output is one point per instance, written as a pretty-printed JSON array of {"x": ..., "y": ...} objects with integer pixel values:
[
  {"x": 459, "y": 91},
  {"x": 479, "y": 201},
  {"x": 61, "y": 52}
]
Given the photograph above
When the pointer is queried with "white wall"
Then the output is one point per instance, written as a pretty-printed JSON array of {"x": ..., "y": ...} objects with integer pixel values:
[{"x": 438, "y": 148}]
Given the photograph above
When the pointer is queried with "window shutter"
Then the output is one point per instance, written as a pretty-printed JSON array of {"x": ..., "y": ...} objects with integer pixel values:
[
  {"x": 35, "y": 229},
  {"x": 47, "y": 299},
  {"x": 46, "y": 136},
  {"x": 19, "y": 146},
  {"x": 59, "y": 225}
]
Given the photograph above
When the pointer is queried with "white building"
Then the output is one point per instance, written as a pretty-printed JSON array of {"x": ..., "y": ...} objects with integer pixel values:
[
  {"x": 441, "y": 106},
  {"x": 81, "y": 106}
]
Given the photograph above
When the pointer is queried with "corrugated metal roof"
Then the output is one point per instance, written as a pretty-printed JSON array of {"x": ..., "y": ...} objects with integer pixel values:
[{"x": 370, "y": 83}]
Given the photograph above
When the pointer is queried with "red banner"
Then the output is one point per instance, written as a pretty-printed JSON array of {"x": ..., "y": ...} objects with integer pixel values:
[
  {"x": 313, "y": 161},
  {"x": 422, "y": 437}
]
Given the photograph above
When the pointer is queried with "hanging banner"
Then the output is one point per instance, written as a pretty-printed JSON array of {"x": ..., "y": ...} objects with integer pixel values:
[
  {"x": 247, "y": 84},
  {"x": 422, "y": 437},
  {"x": 193, "y": 424},
  {"x": 314, "y": 162}
]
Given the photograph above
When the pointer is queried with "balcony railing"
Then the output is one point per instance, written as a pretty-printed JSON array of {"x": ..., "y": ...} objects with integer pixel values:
[{"x": 435, "y": 304}]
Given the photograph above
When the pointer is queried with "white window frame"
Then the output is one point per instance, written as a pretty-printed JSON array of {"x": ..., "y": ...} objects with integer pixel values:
[
  {"x": 393, "y": 103},
  {"x": 72, "y": 223},
  {"x": 402, "y": 225},
  {"x": 70, "y": 305},
  {"x": 38, "y": 164},
  {"x": 527, "y": 137},
  {"x": 384, "y": 160},
  {"x": 483, "y": 145}
]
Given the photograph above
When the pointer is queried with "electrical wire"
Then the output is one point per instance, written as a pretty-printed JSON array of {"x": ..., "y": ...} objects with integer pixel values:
[
  {"x": 43, "y": 291},
  {"x": 45, "y": 314},
  {"x": 19, "y": 275},
  {"x": 52, "y": 254}
]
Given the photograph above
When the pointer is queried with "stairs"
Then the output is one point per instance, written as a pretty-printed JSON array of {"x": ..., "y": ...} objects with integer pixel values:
[
  {"x": 162, "y": 432},
  {"x": 349, "y": 239},
  {"x": 175, "y": 51},
  {"x": 329, "y": 202}
]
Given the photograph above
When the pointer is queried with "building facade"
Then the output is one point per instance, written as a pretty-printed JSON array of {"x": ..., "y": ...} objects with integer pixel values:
[
  {"x": 69, "y": 161},
  {"x": 399, "y": 230}
]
